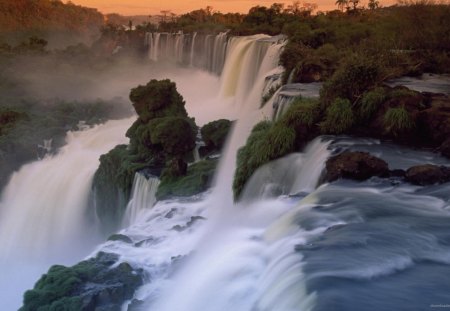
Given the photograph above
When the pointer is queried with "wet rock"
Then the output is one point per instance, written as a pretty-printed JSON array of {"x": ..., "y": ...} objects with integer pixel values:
[
  {"x": 355, "y": 165},
  {"x": 193, "y": 220},
  {"x": 427, "y": 174},
  {"x": 120, "y": 237},
  {"x": 445, "y": 148},
  {"x": 93, "y": 284}
]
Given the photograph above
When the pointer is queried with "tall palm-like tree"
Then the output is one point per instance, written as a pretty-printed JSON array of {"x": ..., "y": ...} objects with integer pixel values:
[{"x": 341, "y": 4}]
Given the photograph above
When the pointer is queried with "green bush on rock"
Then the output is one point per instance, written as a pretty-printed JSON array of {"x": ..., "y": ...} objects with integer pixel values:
[
  {"x": 93, "y": 284},
  {"x": 371, "y": 102},
  {"x": 397, "y": 121},
  {"x": 160, "y": 137},
  {"x": 339, "y": 117},
  {"x": 157, "y": 99},
  {"x": 176, "y": 135},
  {"x": 198, "y": 178},
  {"x": 215, "y": 133}
]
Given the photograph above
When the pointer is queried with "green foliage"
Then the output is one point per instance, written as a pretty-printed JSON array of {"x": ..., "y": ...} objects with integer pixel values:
[
  {"x": 176, "y": 135},
  {"x": 371, "y": 102},
  {"x": 65, "y": 288},
  {"x": 266, "y": 142},
  {"x": 351, "y": 80},
  {"x": 401, "y": 92},
  {"x": 302, "y": 112},
  {"x": 157, "y": 99},
  {"x": 198, "y": 179},
  {"x": 397, "y": 121},
  {"x": 215, "y": 133},
  {"x": 338, "y": 117},
  {"x": 266, "y": 97},
  {"x": 48, "y": 18}
]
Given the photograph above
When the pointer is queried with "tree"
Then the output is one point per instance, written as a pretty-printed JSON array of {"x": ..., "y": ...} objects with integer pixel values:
[
  {"x": 373, "y": 4},
  {"x": 341, "y": 4}
]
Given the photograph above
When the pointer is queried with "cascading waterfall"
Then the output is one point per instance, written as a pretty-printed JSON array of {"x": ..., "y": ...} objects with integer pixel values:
[
  {"x": 44, "y": 204},
  {"x": 43, "y": 215},
  {"x": 143, "y": 195},
  {"x": 206, "y": 52}
]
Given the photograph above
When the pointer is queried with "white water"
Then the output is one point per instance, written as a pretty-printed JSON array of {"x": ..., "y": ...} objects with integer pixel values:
[
  {"x": 43, "y": 216},
  {"x": 143, "y": 195},
  {"x": 44, "y": 206}
]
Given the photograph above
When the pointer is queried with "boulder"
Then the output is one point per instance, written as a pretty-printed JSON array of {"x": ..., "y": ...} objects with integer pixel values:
[
  {"x": 427, "y": 174},
  {"x": 355, "y": 165},
  {"x": 445, "y": 148},
  {"x": 93, "y": 284}
]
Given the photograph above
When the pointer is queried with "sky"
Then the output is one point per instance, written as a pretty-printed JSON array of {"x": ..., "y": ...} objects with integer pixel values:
[{"x": 152, "y": 7}]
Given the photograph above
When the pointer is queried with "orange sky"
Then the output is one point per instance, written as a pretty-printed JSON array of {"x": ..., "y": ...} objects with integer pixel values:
[{"x": 146, "y": 7}]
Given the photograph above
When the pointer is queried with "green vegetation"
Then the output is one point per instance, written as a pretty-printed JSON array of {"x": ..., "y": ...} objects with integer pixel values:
[
  {"x": 47, "y": 18},
  {"x": 371, "y": 102},
  {"x": 215, "y": 133},
  {"x": 160, "y": 138},
  {"x": 269, "y": 141},
  {"x": 198, "y": 178},
  {"x": 24, "y": 126},
  {"x": 338, "y": 117},
  {"x": 397, "y": 121},
  {"x": 90, "y": 284}
]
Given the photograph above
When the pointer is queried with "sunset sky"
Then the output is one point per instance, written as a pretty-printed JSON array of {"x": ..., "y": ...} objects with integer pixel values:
[{"x": 146, "y": 7}]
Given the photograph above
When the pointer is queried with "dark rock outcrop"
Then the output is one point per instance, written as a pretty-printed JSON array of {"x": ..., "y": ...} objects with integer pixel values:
[
  {"x": 355, "y": 165},
  {"x": 427, "y": 174},
  {"x": 445, "y": 148}
]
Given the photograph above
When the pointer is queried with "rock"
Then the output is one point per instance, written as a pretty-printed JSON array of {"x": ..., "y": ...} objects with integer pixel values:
[
  {"x": 445, "y": 148},
  {"x": 355, "y": 165},
  {"x": 434, "y": 122},
  {"x": 93, "y": 284},
  {"x": 427, "y": 174},
  {"x": 120, "y": 237}
]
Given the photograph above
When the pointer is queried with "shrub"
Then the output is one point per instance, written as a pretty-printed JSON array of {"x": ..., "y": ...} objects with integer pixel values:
[
  {"x": 215, "y": 133},
  {"x": 303, "y": 111},
  {"x": 351, "y": 80},
  {"x": 157, "y": 99},
  {"x": 198, "y": 178},
  {"x": 397, "y": 121},
  {"x": 176, "y": 135},
  {"x": 370, "y": 103},
  {"x": 338, "y": 118},
  {"x": 266, "y": 143}
]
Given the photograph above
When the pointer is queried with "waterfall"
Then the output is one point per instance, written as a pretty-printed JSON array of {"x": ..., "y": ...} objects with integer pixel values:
[
  {"x": 143, "y": 196},
  {"x": 249, "y": 61},
  {"x": 44, "y": 204},
  {"x": 191, "y": 56},
  {"x": 287, "y": 94},
  {"x": 293, "y": 174}
]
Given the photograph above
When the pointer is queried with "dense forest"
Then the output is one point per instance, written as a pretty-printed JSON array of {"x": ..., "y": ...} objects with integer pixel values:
[{"x": 20, "y": 19}]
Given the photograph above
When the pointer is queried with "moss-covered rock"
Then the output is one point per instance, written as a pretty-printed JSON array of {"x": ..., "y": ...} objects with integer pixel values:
[
  {"x": 355, "y": 165},
  {"x": 160, "y": 138},
  {"x": 112, "y": 186},
  {"x": 215, "y": 133},
  {"x": 198, "y": 178},
  {"x": 94, "y": 284},
  {"x": 269, "y": 141}
]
